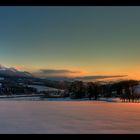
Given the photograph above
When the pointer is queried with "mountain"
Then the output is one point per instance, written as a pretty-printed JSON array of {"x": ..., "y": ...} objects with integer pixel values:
[{"x": 9, "y": 71}]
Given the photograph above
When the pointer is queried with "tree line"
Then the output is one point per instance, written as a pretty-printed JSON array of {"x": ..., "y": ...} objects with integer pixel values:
[{"x": 94, "y": 90}]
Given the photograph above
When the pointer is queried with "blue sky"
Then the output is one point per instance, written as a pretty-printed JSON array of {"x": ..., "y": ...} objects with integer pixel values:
[{"x": 96, "y": 40}]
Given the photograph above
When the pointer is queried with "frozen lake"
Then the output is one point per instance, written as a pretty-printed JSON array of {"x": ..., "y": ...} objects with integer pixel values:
[{"x": 69, "y": 117}]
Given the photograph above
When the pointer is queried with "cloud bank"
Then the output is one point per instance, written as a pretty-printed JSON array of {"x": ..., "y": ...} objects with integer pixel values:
[
  {"x": 54, "y": 74},
  {"x": 52, "y": 71},
  {"x": 100, "y": 77},
  {"x": 64, "y": 74}
]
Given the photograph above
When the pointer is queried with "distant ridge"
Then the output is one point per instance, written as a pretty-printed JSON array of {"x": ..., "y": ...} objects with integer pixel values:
[{"x": 11, "y": 72}]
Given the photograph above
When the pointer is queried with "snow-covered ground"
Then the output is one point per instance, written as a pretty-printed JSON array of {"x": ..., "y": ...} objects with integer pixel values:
[
  {"x": 40, "y": 97},
  {"x": 69, "y": 117},
  {"x": 43, "y": 88}
]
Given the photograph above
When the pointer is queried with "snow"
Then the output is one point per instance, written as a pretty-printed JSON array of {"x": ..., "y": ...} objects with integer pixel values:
[
  {"x": 40, "y": 97},
  {"x": 137, "y": 89},
  {"x": 42, "y": 88},
  {"x": 69, "y": 117}
]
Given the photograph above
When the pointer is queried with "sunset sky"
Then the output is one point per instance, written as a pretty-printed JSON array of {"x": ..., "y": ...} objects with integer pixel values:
[{"x": 79, "y": 41}]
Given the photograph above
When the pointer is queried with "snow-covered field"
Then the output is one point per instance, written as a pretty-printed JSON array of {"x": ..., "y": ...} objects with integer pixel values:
[
  {"x": 40, "y": 98},
  {"x": 69, "y": 117},
  {"x": 43, "y": 88}
]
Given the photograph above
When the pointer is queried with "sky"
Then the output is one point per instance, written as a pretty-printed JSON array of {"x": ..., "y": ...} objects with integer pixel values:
[{"x": 78, "y": 41}]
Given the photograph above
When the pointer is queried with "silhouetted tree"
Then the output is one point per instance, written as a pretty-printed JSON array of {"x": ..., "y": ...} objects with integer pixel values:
[
  {"x": 77, "y": 89},
  {"x": 124, "y": 89},
  {"x": 90, "y": 89},
  {"x": 94, "y": 89}
]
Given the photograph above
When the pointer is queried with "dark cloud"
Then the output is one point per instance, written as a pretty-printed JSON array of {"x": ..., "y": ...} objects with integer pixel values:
[
  {"x": 52, "y": 71},
  {"x": 99, "y": 77},
  {"x": 53, "y": 74},
  {"x": 85, "y": 78},
  {"x": 62, "y": 74}
]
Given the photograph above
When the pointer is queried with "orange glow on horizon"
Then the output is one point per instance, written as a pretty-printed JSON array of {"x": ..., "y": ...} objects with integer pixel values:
[{"x": 131, "y": 74}]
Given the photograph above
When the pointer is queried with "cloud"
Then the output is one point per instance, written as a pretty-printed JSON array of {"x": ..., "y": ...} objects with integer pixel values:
[
  {"x": 52, "y": 71},
  {"x": 56, "y": 72},
  {"x": 85, "y": 78},
  {"x": 65, "y": 74},
  {"x": 99, "y": 77}
]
